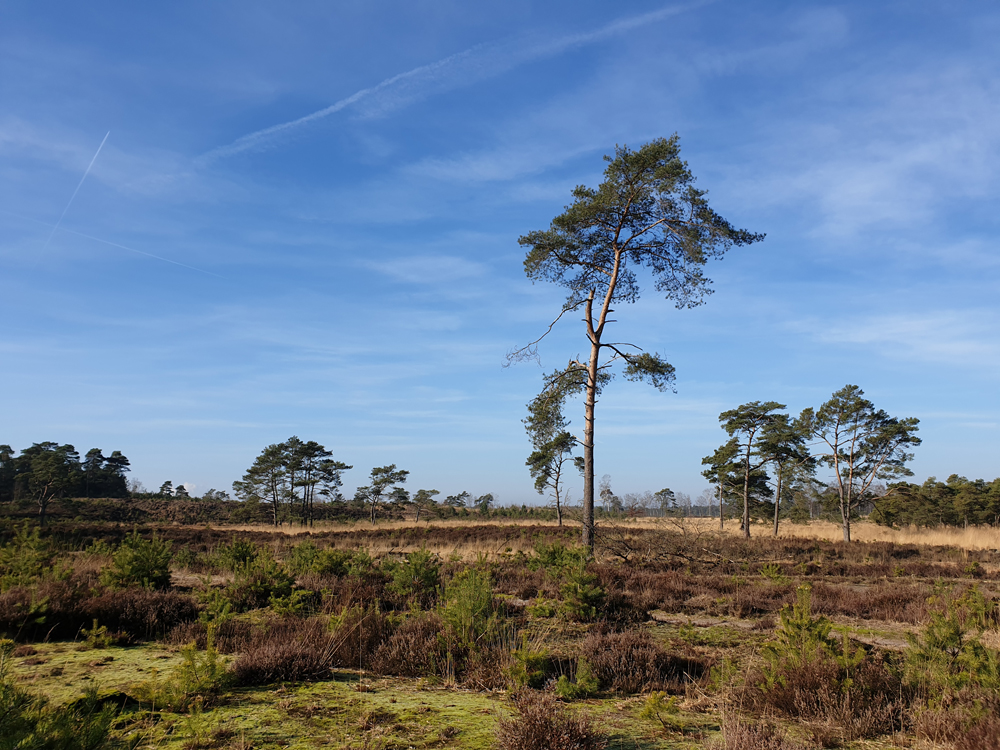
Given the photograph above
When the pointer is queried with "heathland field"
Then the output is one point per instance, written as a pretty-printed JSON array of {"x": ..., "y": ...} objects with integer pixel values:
[{"x": 472, "y": 634}]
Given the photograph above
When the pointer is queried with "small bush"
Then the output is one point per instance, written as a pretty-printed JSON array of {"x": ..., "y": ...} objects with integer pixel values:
[
  {"x": 470, "y": 608},
  {"x": 139, "y": 562},
  {"x": 417, "y": 577},
  {"x": 632, "y": 662},
  {"x": 287, "y": 651},
  {"x": 26, "y": 559},
  {"x": 582, "y": 596},
  {"x": 555, "y": 557},
  {"x": 199, "y": 677},
  {"x": 415, "y": 649},
  {"x": 810, "y": 675},
  {"x": 741, "y": 735},
  {"x": 356, "y": 633},
  {"x": 540, "y": 723},
  {"x": 258, "y": 582},
  {"x": 585, "y": 685},
  {"x": 530, "y": 666},
  {"x": 237, "y": 555}
]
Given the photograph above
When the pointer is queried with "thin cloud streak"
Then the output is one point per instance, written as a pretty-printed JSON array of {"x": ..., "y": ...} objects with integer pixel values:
[
  {"x": 109, "y": 242},
  {"x": 143, "y": 252},
  {"x": 80, "y": 185},
  {"x": 463, "y": 68}
]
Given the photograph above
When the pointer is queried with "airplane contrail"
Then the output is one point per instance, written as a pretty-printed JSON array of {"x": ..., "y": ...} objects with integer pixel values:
[
  {"x": 113, "y": 244},
  {"x": 63, "y": 215},
  {"x": 462, "y": 68}
]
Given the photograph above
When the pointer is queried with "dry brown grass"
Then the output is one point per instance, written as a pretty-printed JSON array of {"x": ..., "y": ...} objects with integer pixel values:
[{"x": 973, "y": 538}]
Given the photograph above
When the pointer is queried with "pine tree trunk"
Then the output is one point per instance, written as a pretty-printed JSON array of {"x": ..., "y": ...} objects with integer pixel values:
[{"x": 777, "y": 502}]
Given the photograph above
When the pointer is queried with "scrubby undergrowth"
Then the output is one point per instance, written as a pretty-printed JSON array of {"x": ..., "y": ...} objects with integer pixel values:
[{"x": 834, "y": 643}]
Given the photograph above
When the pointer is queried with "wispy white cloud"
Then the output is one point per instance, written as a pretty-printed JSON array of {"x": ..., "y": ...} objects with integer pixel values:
[
  {"x": 960, "y": 338},
  {"x": 455, "y": 71},
  {"x": 428, "y": 269}
]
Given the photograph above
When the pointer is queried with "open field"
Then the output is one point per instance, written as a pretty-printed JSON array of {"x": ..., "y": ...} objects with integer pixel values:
[
  {"x": 972, "y": 538},
  {"x": 427, "y": 635}
]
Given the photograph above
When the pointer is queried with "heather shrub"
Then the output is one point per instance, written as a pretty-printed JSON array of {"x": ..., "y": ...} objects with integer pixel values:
[
  {"x": 415, "y": 649},
  {"x": 140, "y": 613},
  {"x": 230, "y": 636},
  {"x": 356, "y": 634},
  {"x": 286, "y": 651},
  {"x": 632, "y": 662},
  {"x": 741, "y": 735},
  {"x": 540, "y": 723},
  {"x": 139, "y": 562}
]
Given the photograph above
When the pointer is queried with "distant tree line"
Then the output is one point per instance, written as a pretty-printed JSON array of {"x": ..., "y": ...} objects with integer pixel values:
[
  {"x": 955, "y": 502},
  {"x": 290, "y": 478},
  {"x": 48, "y": 471}
]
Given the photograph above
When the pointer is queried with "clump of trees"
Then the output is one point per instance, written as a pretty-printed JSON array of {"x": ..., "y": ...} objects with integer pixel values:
[
  {"x": 770, "y": 457},
  {"x": 293, "y": 473},
  {"x": 49, "y": 471}
]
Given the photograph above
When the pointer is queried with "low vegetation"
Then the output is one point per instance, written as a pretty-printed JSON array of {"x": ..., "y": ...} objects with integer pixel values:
[{"x": 490, "y": 635}]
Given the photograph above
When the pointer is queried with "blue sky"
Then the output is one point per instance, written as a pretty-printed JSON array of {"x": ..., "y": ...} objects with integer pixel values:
[{"x": 305, "y": 218}]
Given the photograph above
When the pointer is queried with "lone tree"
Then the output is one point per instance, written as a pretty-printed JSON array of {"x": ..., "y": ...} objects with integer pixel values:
[
  {"x": 647, "y": 213},
  {"x": 861, "y": 444}
]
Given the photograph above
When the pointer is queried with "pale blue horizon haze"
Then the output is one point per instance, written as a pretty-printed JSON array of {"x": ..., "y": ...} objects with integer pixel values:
[{"x": 226, "y": 224}]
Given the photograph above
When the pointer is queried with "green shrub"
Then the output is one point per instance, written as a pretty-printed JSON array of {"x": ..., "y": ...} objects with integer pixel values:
[
  {"x": 803, "y": 639},
  {"x": 139, "y": 562},
  {"x": 658, "y": 707},
  {"x": 27, "y": 559},
  {"x": 810, "y": 674},
  {"x": 417, "y": 576},
  {"x": 238, "y": 555},
  {"x": 201, "y": 675},
  {"x": 554, "y": 557},
  {"x": 948, "y": 657},
  {"x": 773, "y": 573},
  {"x": 582, "y": 597},
  {"x": 257, "y": 583},
  {"x": 97, "y": 636},
  {"x": 585, "y": 686},
  {"x": 307, "y": 558},
  {"x": 470, "y": 608},
  {"x": 542, "y": 608},
  {"x": 530, "y": 666},
  {"x": 298, "y": 603}
]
